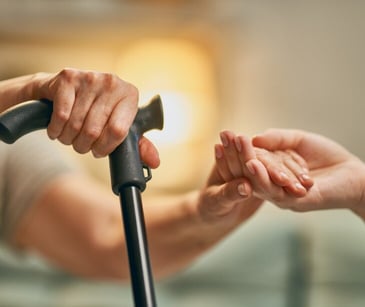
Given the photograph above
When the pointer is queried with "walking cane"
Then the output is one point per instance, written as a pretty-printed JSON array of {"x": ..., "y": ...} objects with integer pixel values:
[{"x": 128, "y": 179}]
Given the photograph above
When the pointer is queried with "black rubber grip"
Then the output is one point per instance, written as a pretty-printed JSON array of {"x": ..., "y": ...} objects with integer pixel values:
[
  {"x": 24, "y": 119},
  {"x": 126, "y": 168}
]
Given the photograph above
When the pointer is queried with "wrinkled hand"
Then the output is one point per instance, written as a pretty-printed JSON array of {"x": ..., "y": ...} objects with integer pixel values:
[
  {"x": 338, "y": 175},
  {"x": 92, "y": 111}
]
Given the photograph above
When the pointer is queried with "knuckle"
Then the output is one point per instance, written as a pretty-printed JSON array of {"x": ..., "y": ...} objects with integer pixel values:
[
  {"x": 110, "y": 81},
  {"x": 67, "y": 74},
  {"x": 75, "y": 125},
  {"x": 93, "y": 132},
  {"x": 131, "y": 91},
  {"x": 90, "y": 77},
  {"x": 62, "y": 115},
  {"x": 118, "y": 130}
]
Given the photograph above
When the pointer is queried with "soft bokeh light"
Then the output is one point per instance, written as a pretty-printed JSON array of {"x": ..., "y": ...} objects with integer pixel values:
[
  {"x": 178, "y": 118},
  {"x": 181, "y": 72}
]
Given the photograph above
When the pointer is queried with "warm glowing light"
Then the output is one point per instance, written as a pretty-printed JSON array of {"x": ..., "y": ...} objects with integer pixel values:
[
  {"x": 178, "y": 120},
  {"x": 181, "y": 72}
]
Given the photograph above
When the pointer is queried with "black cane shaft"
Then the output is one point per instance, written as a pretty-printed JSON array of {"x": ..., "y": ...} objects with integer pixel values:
[{"x": 137, "y": 247}]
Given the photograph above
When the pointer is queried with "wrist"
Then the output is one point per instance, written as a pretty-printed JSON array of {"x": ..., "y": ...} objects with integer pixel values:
[
  {"x": 358, "y": 206},
  {"x": 17, "y": 90},
  {"x": 36, "y": 85},
  {"x": 211, "y": 224}
]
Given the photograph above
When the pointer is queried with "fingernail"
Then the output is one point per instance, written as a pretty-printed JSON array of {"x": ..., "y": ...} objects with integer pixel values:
[
  {"x": 250, "y": 168},
  {"x": 96, "y": 155},
  {"x": 237, "y": 142},
  {"x": 299, "y": 186},
  {"x": 242, "y": 190},
  {"x": 218, "y": 152},
  {"x": 224, "y": 139},
  {"x": 284, "y": 175},
  {"x": 305, "y": 177}
]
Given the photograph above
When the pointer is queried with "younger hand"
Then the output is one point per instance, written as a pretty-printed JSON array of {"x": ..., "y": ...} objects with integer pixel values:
[{"x": 339, "y": 176}]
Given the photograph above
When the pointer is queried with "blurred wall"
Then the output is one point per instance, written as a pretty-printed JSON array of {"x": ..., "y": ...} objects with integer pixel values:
[{"x": 299, "y": 64}]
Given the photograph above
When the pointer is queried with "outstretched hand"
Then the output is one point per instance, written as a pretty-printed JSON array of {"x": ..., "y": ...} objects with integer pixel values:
[{"x": 338, "y": 175}]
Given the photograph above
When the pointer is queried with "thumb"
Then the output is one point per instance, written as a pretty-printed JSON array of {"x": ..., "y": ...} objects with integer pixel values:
[
  {"x": 278, "y": 139},
  {"x": 220, "y": 200},
  {"x": 149, "y": 153}
]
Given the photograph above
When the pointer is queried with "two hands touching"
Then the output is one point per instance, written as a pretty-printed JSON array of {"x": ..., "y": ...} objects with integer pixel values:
[
  {"x": 293, "y": 169},
  {"x": 244, "y": 176},
  {"x": 93, "y": 111}
]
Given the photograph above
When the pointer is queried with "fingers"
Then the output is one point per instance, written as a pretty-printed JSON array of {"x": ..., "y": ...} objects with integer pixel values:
[
  {"x": 297, "y": 168},
  {"x": 277, "y": 139},
  {"x": 261, "y": 181},
  {"x": 237, "y": 151},
  {"x": 116, "y": 126},
  {"x": 92, "y": 111},
  {"x": 223, "y": 200},
  {"x": 286, "y": 169},
  {"x": 235, "y": 158},
  {"x": 85, "y": 98},
  {"x": 272, "y": 174},
  {"x": 231, "y": 154},
  {"x": 289, "y": 141},
  {"x": 62, "y": 92},
  {"x": 148, "y": 153},
  {"x": 223, "y": 170}
]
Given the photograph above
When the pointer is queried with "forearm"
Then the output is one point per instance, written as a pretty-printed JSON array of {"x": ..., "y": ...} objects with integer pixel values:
[
  {"x": 20, "y": 89},
  {"x": 358, "y": 203},
  {"x": 175, "y": 232},
  {"x": 179, "y": 231},
  {"x": 76, "y": 224}
]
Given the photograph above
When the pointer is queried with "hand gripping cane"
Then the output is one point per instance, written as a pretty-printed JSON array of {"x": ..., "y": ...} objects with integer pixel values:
[{"x": 128, "y": 180}]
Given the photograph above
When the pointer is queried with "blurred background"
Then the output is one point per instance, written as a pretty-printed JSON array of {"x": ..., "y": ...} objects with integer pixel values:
[{"x": 243, "y": 65}]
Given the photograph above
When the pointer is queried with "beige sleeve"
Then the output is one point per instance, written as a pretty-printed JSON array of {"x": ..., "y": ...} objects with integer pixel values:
[{"x": 26, "y": 166}]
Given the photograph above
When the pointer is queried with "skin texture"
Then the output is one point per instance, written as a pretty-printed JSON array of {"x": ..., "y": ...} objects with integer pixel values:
[
  {"x": 92, "y": 111},
  {"x": 280, "y": 173},
  {"x": 75, "y": 221},
  {"x": 334, "y": 178},
  {"x": 339, "y": 175}
]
